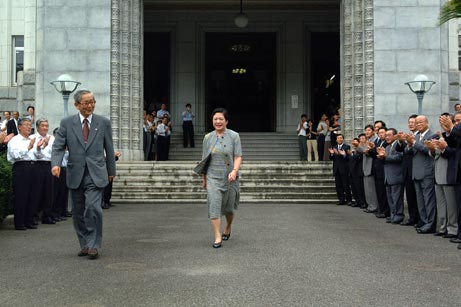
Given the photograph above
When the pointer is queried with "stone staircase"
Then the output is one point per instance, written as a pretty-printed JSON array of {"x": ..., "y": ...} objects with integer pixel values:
[
  {"x": 261, "y": 182},
  {"x": 256, "y": 147}
]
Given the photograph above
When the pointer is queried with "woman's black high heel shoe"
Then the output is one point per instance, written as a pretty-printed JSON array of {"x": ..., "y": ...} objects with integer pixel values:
[
  {"x": 217, "y": 245},
  {"x": 226, "y": 237}
]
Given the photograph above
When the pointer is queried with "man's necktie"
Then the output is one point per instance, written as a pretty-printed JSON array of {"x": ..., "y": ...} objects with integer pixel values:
[
  {"x": 420, "y": 137},
  {"x": 86, "y": 130}
]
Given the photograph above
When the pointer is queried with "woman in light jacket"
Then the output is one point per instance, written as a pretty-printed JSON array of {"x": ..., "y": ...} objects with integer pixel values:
[{"x": 222, "y": 152}]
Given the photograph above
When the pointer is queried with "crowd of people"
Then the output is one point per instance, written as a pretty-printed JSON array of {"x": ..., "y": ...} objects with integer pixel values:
[
  {"x": 314, "y": 142},
  {"x": 37, "y": 195},
  {"x": 157, "y": 129},
  {"x": 382, "y": 165}
]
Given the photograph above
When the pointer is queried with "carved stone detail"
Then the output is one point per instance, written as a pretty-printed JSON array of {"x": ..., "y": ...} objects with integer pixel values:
[
  {"x": 126, "y": 74},
  {"x": 357, "y": 66}
]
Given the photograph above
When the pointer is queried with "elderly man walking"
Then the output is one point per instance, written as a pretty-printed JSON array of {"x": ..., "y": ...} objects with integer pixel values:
[{"x": 87, "y": 136}]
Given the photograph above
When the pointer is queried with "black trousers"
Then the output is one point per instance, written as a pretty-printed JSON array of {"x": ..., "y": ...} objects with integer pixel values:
[
  {"x": 321, "y": 146},
  {"x": 343, "y": 189},
  {"x": 458, "y": 203},
  {"x": 411, "y": 200},
  {"x": 107, "y": 193},
  {"x": 44, "y": 189},
  {"x": 358, "y": 190},
  {"x": 188, "y": 133},
  {"x": 24, "y": 180},
  {"x": 383, "y": 206},
  {"x": 162, "y": 148},
  {"x": 61, "y": 194}
]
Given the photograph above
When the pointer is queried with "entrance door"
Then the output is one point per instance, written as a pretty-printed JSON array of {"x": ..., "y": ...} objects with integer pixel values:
[{"x": 240, "y": 73}]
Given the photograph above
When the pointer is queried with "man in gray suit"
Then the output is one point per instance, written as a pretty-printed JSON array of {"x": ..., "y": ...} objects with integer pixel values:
[
  {"x": 91, "y": 167},
  {"x": 423, "y": 174},
  {"x": 368, "y": 175},
  {"x": 393, "y": 177}
]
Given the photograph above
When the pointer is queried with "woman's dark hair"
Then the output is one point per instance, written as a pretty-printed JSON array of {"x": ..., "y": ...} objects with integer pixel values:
[{"x": 220, "y": 110}]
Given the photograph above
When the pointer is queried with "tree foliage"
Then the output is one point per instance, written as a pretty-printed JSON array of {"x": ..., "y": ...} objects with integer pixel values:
[{"x": 450, "y": 10}]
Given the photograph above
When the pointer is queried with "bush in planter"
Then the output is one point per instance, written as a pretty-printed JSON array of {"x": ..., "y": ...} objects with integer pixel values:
[{"x": 5, "y": 186}]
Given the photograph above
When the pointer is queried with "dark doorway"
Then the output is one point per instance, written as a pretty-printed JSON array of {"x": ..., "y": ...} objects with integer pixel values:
[
  {"x": 325, "y": 69},
  {"x": 241, "y": 77},
  {"x": 157, "y": 53}
]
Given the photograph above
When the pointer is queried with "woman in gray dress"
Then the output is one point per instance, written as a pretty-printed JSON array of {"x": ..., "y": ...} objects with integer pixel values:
[{"x": 223, "y": 150}]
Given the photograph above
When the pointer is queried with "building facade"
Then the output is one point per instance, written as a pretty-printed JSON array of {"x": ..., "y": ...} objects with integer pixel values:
[{"x": 267, "y": 73}]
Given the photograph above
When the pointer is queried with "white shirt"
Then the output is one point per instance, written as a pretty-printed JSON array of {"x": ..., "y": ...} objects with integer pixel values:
[
  {"x": 18, "y": 150},
  {"x": 161, "y": 130},
  {"x": 322, "y": 128},
  {"x": 65, "y": 159},
  {"x": 89, "y": 119},
  {"x": 302, "y": 131},
  {"x": 44, "y": 154},
  {"x": 3, "y": 124}
]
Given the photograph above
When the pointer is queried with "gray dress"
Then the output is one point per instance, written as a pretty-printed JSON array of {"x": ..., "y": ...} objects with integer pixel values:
[{"x": 222, "y": 197}]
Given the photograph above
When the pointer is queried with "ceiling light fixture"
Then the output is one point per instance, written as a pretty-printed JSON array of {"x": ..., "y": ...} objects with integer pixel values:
[{"x": 241, "y": 20}]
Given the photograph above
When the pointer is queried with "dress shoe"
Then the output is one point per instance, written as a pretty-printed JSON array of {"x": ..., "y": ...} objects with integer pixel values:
[
  {"x": 48, "y": 221},
  {"x": 397, "y": 222},
  {"x": 31, "y": 226},
  {"x": 356, "y": 205},
  {"x": 459, "y": 246},
  {"x": 349, "y": 203},
  {"x": 83, "y": 252},
  {"x": 68, "y": 214},
  {"x": 105, "y": 206},
  {"x": 388, "y": 220},
  {"x": 56, "y": 219},
  {"x": 226, "y": 237},
  {"x": 380, "y": 215},
  {"x": 110, "y": 204},
  {"x": 20, "y": 228},
  {"x": 340, "y": 203},
  {"x": 449, "y": 236},
  {"x": 93, "y": 253},
  {"x": 407, "y": 223},
  {"x": 370, "y": 211},
  {"x": 364, "y": 206},
  {"x": 439, "y": 234},
  {"x": 424, "y": 231},
  {"x": 419, "y": 224},
  {"x": 217, "y": 245},
  {"x": 455, "y": 240},
  {"x": 35, "y": 223},
  {"x": 63, "y": 218}
]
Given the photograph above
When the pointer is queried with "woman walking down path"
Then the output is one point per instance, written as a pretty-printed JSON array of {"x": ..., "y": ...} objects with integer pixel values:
[{"x": 221, "y": 160}]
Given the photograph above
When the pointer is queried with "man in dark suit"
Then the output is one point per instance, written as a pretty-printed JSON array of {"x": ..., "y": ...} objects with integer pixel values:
[
  {"x": 356, "y": 174},
  {"x": 453, "y": 132},
  {"x": 423, "y": 174},
  {"x": 407, "y": 166},
  {"x": 90, "y": 168},
  {"x": 341, "y": 170},
  {"x": 393, "y": 176},
  {"x": 12, "y": 125}
]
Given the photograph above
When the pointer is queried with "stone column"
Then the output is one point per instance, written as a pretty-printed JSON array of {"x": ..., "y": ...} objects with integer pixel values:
[
  {"x": 357, "y": 66},
  {"x": 126, "y": 89}
]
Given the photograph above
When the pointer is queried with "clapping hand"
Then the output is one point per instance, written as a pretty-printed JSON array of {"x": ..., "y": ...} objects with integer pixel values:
[
  {"x": 381, "y": 152},
  {"x": 446, "y": 123}
]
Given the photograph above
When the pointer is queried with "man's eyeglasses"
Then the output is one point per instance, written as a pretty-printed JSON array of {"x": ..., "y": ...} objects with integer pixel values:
[{"x": 87, "y": 103}]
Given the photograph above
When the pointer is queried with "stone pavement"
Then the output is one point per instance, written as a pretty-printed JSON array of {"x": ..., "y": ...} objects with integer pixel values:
[{"x": 278, "y": 255}]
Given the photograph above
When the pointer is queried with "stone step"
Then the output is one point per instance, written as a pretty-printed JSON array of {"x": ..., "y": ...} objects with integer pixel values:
[
  {"x": 243, "y": 200},
  {"x": 260, "y": 182},
  {"x": 153, "y": 195}
]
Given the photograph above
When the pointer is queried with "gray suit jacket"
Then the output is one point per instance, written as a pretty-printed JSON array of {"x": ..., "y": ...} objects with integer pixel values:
[
  {"x": 423, "y": 163},
  {"x": 393, "y": 166},
  {"x": 97, "y": 155}
]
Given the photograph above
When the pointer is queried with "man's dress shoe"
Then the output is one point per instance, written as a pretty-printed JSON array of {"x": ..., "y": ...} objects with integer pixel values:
[
  {"x": 380, "y": 215},
  {"x": 424, "y": 231},
  {"x": 93, "y": 253},
  {"x": 407, "y": 223},
  {"x": 48, "y": 221},
  {"x": 455, "y": 240},
  {"x": 439, "y": 234},
  {"x": 449, "y": 236},
  {"x": 83, "y": 252}
]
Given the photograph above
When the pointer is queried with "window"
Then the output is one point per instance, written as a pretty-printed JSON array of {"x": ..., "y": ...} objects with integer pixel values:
[
  {"x": 18, "y": 56},
  {"x": 459, "y": 52}
]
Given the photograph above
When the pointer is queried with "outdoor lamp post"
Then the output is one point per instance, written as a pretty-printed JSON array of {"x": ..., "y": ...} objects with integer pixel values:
[
  {"x": 420, "y": 86},
  {"x": 65, "y": 85}
]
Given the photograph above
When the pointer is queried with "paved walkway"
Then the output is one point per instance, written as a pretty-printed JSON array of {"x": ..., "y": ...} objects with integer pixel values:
[{"x": 278, "y": 255}]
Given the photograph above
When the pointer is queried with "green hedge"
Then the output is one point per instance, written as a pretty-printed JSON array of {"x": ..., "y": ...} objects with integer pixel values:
[{"x": 5, "y": 186}]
